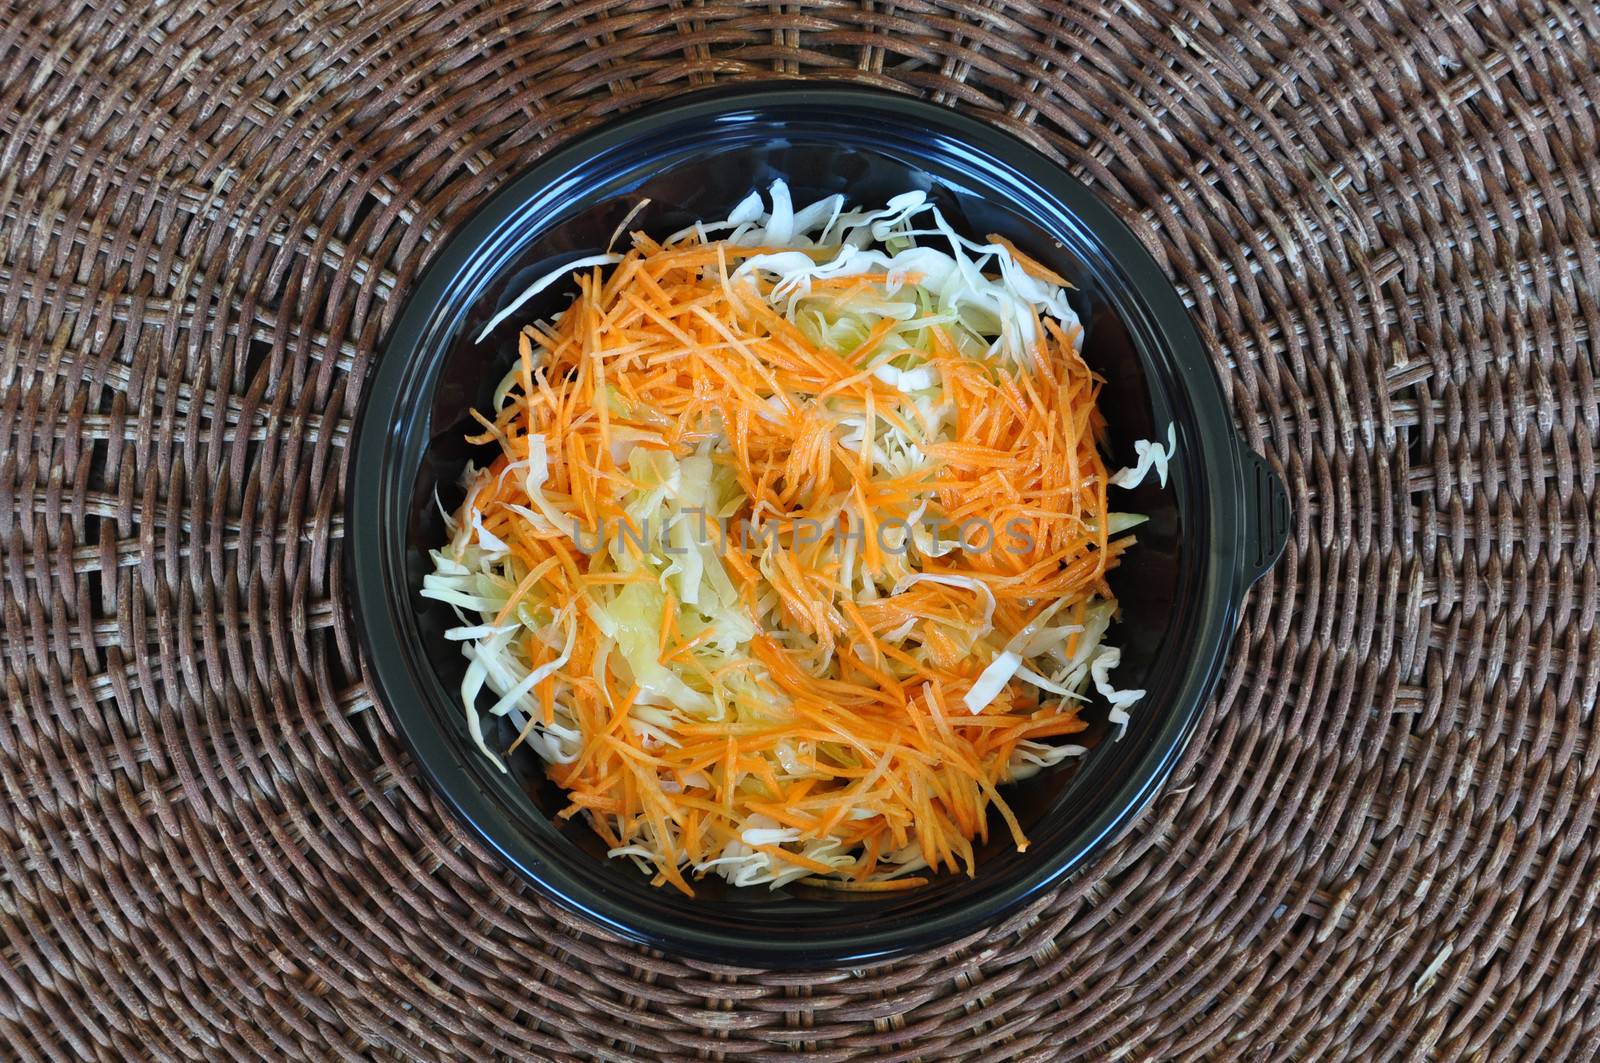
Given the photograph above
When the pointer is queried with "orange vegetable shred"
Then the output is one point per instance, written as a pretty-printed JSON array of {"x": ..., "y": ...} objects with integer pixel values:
[{"x": 832, "y": 739}]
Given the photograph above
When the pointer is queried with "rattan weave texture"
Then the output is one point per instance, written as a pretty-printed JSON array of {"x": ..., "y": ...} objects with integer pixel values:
[{"x": 1382, "y": 844}]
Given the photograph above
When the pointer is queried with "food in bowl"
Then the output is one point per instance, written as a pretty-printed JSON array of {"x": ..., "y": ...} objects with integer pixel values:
[{"x": 793, "y": 551}]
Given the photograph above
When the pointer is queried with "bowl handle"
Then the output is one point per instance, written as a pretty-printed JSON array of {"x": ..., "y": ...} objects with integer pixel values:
[{"x": 1267, "y": 516}]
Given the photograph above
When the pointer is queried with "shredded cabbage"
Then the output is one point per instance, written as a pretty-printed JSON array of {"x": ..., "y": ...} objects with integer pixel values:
[{"x": 707, "y": 610}]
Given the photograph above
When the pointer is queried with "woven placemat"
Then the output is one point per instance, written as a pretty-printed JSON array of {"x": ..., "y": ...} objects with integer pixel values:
[{"x": 1382, "y": 843}]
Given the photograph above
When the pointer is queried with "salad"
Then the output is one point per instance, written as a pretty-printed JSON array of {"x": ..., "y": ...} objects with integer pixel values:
[{"x": 794, "y": 550}]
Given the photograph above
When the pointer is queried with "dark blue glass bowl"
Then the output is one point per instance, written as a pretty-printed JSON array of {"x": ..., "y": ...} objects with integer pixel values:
[{"x": 1220, "y": 523}]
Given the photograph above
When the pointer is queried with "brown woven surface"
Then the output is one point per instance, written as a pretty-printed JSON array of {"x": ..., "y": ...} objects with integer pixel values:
[{"x": 1383, "y": 841}]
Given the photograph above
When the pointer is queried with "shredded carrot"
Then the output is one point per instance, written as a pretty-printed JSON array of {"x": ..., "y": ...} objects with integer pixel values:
[
  {"x": 840, "y": 716},
  {"x": 1031, "y": 266}
]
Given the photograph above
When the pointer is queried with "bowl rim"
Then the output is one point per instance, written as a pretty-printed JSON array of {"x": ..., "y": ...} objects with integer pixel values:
[{"x": 1240, "y": 548}]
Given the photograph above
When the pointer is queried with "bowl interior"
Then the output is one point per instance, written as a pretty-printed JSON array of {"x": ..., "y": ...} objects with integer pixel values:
[{"x": 701, "y": 178}]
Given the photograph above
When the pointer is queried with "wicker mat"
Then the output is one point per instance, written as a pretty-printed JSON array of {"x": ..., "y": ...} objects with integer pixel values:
[{"x": 1383, "y": 842}]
